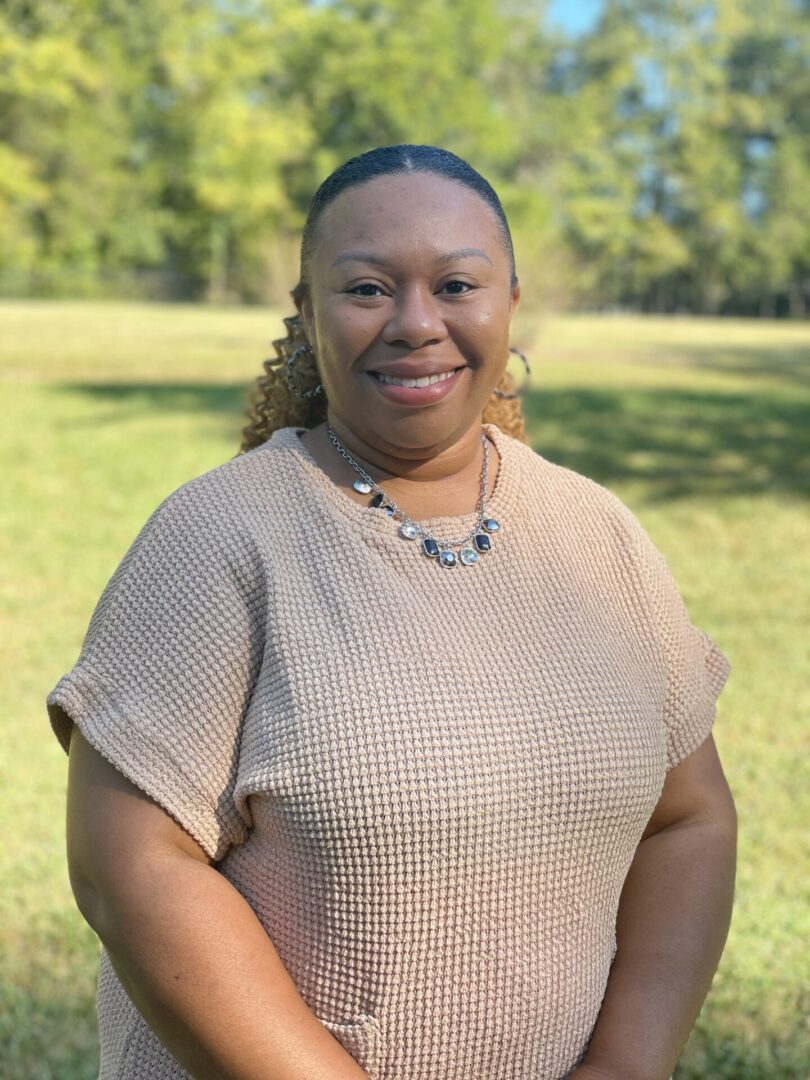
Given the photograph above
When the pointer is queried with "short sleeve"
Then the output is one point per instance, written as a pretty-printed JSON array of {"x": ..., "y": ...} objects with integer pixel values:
[
  {"x": 696, "y": 669},
  {"x": 168, "y": 665}
]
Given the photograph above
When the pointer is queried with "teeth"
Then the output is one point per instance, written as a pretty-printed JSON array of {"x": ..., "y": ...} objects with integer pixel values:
[{"x": 397, "y": 380}]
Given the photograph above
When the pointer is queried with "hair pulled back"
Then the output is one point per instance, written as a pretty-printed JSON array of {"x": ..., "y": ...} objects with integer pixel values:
[{"x": 271, "y": 403}]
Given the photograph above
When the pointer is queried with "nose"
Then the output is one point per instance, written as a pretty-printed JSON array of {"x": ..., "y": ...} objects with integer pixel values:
[{"x": 416, "y": 319}]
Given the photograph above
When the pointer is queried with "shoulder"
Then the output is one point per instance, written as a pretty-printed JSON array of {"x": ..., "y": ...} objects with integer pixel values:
[
  {"x": 572, "y": 499},
  {"x": 232, "y": 500},
  {"x": 240, "y": 486},
  {"x": 593, "y": 525},
  {"x": 214, "y": 523}
]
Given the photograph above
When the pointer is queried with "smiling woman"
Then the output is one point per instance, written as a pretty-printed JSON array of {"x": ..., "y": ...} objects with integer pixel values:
[
  {"x": 408, "y": 716},
  {"x": 352, "y": 285},
  {"x": 403, "y": 334}
]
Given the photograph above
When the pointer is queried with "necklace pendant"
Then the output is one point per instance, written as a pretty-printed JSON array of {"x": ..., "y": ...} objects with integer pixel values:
[
  {"x": 430, "y": 547},
  {"x": 447, "y": 558},
  {"x": 482, "y": 542},
  {"x": 491, "y": 524},
  {"x": 362, "y": 486},
  {"x": 378, "y": 500},
  {"x": 468, "y": 556}
]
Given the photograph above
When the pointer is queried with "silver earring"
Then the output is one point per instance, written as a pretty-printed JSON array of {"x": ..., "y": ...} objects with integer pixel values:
[
  {"x": 300, "y": 351},
  {"x": 520, "y": 393}
]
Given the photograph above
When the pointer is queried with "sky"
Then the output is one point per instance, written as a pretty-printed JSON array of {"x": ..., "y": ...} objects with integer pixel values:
[{"x": 574, "y": 16}]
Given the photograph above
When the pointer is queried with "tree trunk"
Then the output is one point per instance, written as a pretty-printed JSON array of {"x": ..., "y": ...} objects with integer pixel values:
[
  {"x": 218, "y": 273},
  {"x": 798, "y": 308}
]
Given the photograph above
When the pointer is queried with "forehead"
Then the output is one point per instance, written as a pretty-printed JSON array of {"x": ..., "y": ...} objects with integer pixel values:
[{"x": 407, "y": 212}]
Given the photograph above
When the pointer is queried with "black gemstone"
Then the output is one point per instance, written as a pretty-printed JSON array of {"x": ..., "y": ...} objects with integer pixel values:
[
  {"x": 482, "y": 542},
  {"x": 430, "y": 547},
  {"x": 378, "y": 498}
]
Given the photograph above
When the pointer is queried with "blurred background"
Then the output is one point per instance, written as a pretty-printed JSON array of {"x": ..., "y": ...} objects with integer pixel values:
[
  {"x": 156, "y": 163},
  {"x": 650, "y": 155}
]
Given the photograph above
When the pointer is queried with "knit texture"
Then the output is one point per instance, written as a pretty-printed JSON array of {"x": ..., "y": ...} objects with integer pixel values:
[{"x": 428, "y": 783}]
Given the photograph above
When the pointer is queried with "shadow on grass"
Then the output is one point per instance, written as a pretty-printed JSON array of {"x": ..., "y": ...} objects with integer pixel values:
[
  {"x": 139, "y": 398},
  {"x": 675, "y": 443},
  {"x": 712, "y": 1056},
  {"x": 779, "y": 364},
  {"x": 44, "y": 1037},
  {"x": 48, "y": 1023}
]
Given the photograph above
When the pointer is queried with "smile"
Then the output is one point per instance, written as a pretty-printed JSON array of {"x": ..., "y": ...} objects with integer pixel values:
[
  {"x": 427, "y": 390},
  {"x": 427, "y": 380}
]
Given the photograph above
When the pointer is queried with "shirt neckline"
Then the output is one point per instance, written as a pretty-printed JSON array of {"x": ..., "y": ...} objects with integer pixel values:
[{"x": 499, "y": 505}]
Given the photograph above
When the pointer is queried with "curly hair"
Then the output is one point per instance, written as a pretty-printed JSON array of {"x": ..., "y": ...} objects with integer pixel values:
[{"x": 271, "y": 404}]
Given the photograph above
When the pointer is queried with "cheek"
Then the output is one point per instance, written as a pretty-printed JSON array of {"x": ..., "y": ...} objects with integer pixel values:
[
  {"x": 346, "y": 332},
  {"x": 484, "y": 329}
]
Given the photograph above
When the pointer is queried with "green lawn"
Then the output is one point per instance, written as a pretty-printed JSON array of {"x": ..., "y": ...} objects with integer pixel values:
[{"x": 700, "y": 426}]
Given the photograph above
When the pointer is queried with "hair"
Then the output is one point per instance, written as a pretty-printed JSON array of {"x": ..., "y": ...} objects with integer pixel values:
[{"x": 271, "y": 403}]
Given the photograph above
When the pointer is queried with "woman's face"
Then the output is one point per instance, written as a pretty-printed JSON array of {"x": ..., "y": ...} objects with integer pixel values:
[{"x": 409, "y": 276}]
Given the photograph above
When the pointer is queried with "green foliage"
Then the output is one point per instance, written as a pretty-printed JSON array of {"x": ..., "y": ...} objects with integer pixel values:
[
  {"x": 77, "y": 199},
  {"x": 659, "y": 161}
]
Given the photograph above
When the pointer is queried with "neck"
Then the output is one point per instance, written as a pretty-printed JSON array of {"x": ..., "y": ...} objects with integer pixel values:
[{"x": 436, "y": 468}]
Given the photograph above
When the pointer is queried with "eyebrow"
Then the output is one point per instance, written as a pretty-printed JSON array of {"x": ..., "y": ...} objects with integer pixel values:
[{"x": 377, "y": 260}]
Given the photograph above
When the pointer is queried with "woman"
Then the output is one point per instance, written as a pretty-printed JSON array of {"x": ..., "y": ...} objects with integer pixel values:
[{"x": 379, "y": 721}]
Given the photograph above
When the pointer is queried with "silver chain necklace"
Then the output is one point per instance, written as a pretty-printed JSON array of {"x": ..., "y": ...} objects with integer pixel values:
[{"x": 410, "y": 529}]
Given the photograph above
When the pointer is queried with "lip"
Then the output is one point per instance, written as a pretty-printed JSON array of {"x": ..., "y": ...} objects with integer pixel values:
[
  {"x": 414, "y": 369},
  {"x": 417, "y": 395}
]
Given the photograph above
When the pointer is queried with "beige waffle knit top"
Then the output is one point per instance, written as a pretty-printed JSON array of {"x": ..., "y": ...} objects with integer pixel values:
[{"x": 428, "y": 782}]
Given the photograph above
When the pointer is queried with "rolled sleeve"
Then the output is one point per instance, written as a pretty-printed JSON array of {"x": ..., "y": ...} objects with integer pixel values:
[
  {"x": 696, "y": 668},
  {"x": 168, "y": 664}
]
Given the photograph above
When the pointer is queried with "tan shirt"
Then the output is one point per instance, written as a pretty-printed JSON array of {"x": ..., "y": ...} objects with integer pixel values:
[{"x": 428, "y": 783}]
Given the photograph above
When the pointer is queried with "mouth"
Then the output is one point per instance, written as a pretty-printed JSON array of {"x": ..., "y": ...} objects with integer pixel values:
[
  {"x": 413, "y": 383},
  {"x": 427, "y": 390}
]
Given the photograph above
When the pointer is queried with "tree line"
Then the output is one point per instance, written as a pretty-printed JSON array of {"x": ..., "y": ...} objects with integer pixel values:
[{"x": 169, "y": 148}]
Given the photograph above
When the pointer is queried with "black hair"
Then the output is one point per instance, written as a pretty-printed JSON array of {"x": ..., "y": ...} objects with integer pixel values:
[{"x": 388, "y": 160}]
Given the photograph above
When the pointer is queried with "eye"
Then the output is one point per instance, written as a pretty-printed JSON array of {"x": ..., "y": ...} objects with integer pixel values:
[
  {"x": 464, "y": 283},
  {"x": 365, "y": 285}
]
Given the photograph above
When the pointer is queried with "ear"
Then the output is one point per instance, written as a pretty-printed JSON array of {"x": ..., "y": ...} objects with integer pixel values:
[
  {"x": 515, "y": 299},
  {"x": 303, "y": 305}
]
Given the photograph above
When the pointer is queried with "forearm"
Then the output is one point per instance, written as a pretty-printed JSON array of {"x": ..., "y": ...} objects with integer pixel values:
[
  {"x": 672, "y": 924},
  {"x": 200, "y": 968}
]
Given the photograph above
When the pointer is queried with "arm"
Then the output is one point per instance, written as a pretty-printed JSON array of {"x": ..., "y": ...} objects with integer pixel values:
[
  {"x": 671, "y": 928},
  {"x": 184, "y": 942}
]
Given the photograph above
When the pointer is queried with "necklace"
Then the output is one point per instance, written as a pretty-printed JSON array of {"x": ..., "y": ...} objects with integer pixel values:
[{"x": 441, "y": 550}]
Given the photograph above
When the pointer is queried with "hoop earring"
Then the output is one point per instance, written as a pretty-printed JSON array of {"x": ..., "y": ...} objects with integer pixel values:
[
  {"x": 291, "y": 359},
  {"x": 522, "y": 390}
]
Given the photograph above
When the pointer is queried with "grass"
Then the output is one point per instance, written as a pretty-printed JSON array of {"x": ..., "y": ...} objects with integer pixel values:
[{"x": 699, "y": 425}]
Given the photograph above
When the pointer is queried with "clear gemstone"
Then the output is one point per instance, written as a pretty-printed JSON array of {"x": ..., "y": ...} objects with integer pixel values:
[
  {"x": 468, "y": 556},
  {"x": 408, "y": 530},
  {"x": 362, "y": 486}
]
